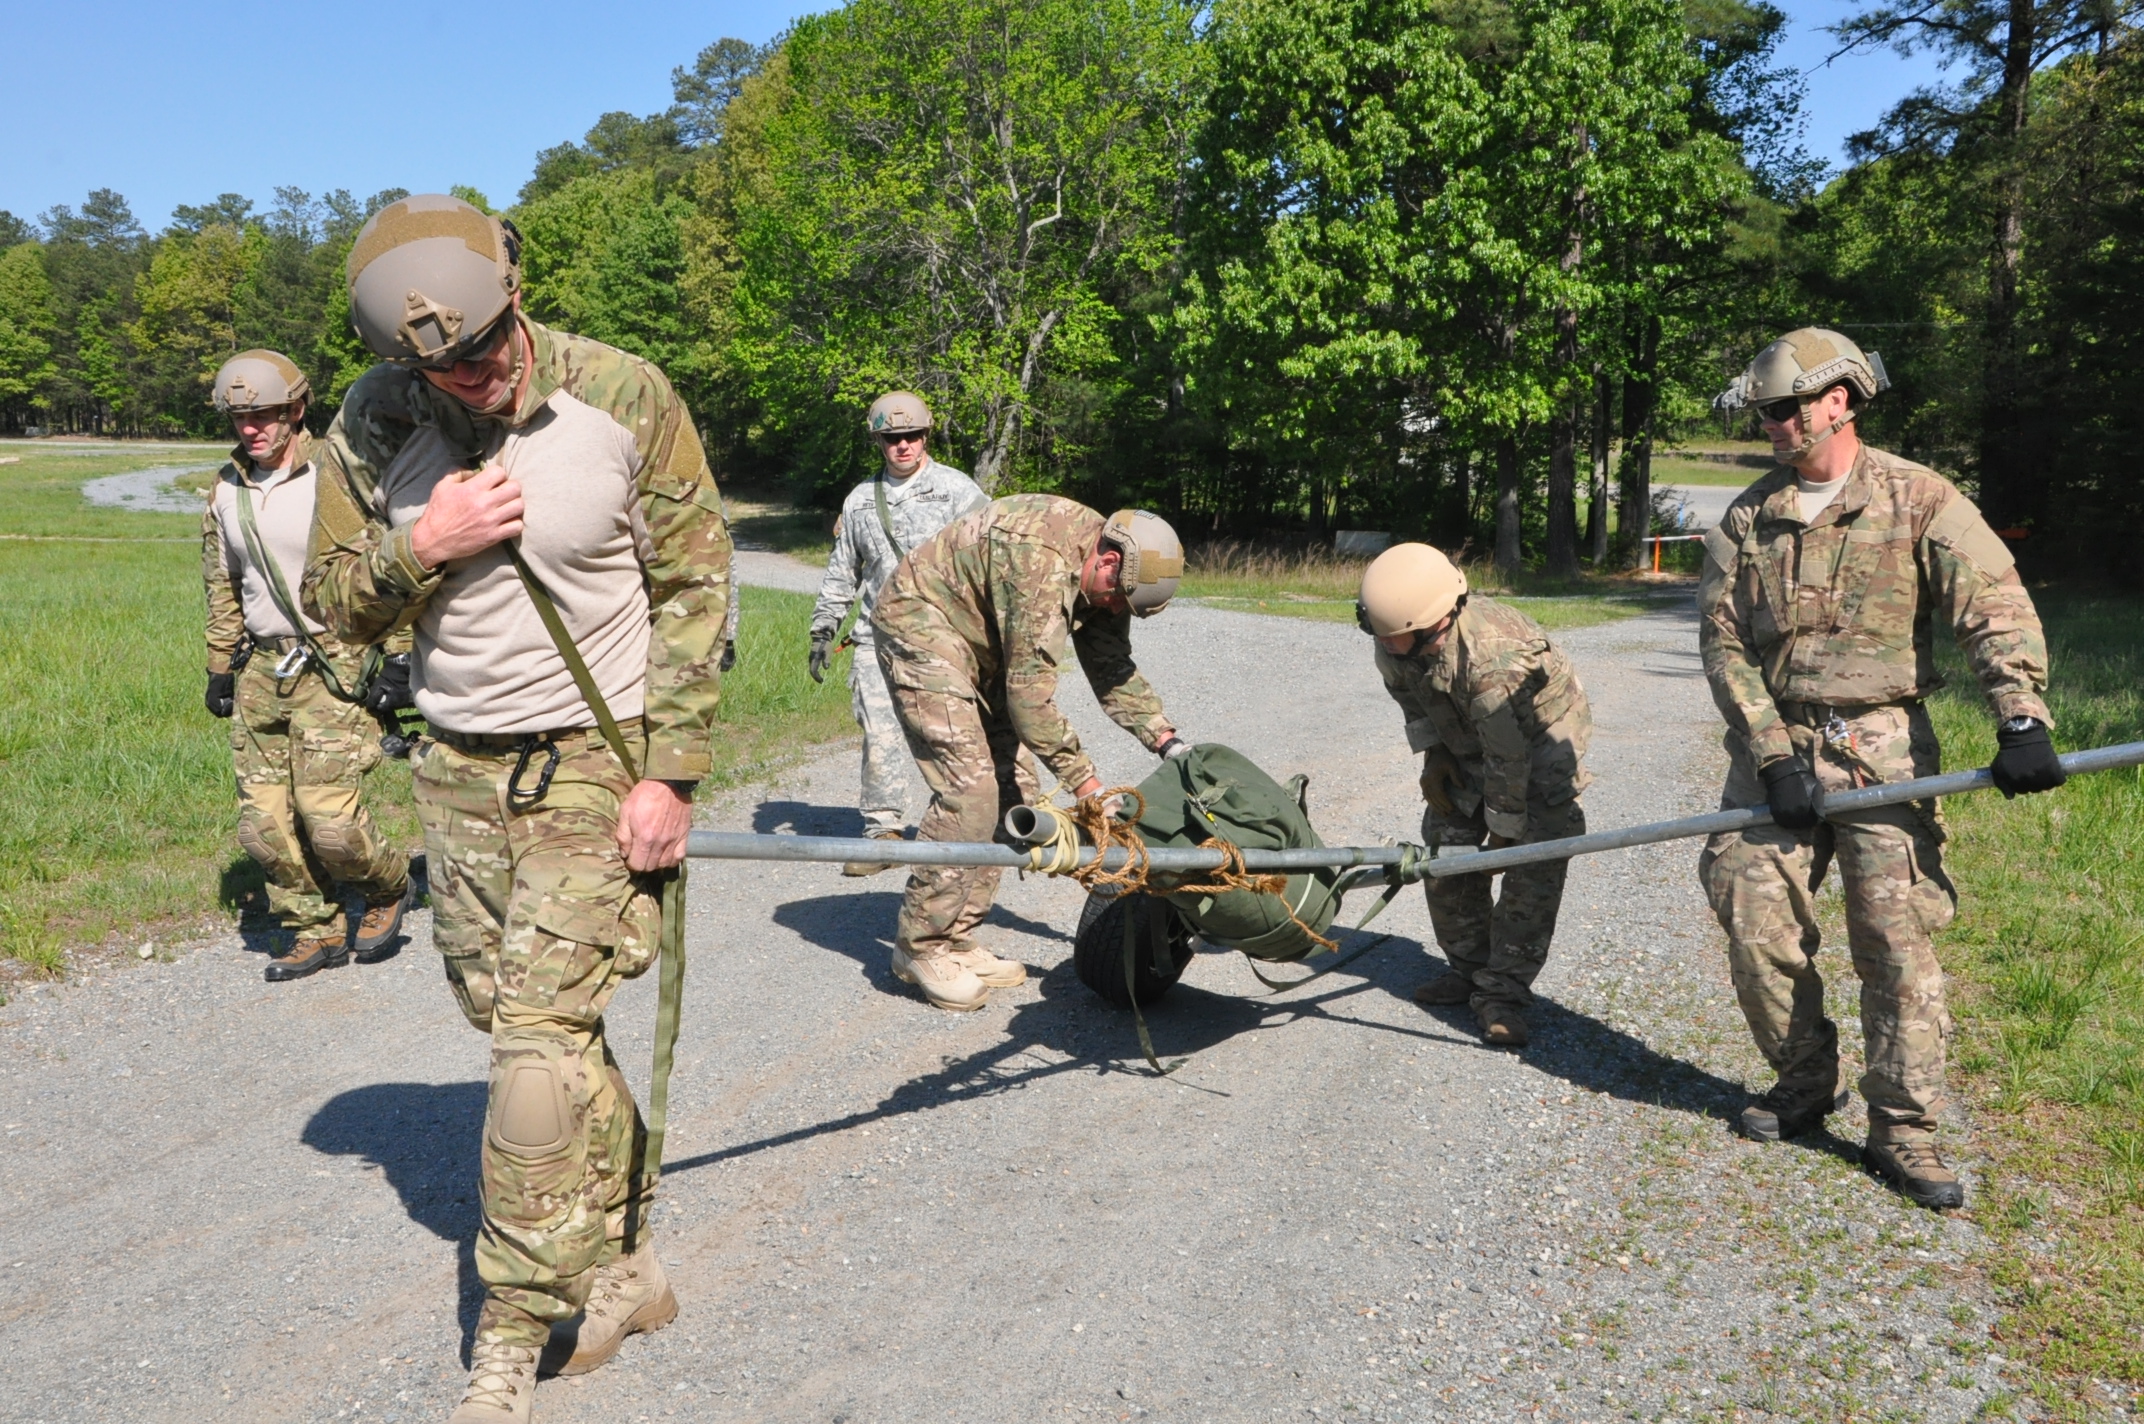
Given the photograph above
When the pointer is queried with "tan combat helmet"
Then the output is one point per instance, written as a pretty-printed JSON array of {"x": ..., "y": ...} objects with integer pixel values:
[
  {"x": 898, "y": 413},
  {"x": 1406, "y": 589},
  {"x": 1153, "y": 559},
  {"x": 430, "y": 276},
  {"x": 1801, "y": 366},
  {"x": 258, "y": 380}
]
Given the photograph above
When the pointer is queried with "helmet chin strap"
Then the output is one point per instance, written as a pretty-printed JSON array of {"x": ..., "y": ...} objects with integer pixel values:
[
  {"x": 1810, "y": 442},
  {"x": 513, "y": 379}
]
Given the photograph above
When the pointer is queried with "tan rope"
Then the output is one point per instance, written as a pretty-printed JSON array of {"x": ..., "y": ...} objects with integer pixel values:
[{"x": 1060, "y": 854}]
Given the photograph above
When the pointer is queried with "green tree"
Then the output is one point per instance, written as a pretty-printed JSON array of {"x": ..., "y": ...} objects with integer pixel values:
[
  {"x": 92, "y": 258},
  {"x": 26, "y": 329},
  {"x": 942, "y": 198}
]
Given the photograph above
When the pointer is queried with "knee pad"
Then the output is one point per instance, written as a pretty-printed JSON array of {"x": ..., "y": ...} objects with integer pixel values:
[
  {"x": 265, "y": 838},
  {"x": 533, "y": 1116}
]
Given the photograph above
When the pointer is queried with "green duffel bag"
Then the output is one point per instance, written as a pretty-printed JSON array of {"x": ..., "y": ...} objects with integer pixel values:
[{"x": 1214, "y": 792}]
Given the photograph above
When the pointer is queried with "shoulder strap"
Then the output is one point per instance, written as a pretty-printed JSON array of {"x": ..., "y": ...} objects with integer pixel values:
[
  {"x": 575, "y": 663},
  {"x": 885, "y": 515},
  {"x": 279, "y": 594}
]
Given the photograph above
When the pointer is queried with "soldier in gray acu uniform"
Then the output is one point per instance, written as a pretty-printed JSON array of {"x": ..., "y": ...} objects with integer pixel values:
[
  {"x": 904, "y": 504},
  {"x": 1822, "y": 589}
]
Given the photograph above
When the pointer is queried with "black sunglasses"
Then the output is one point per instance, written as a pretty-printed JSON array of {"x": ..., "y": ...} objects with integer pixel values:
[{"x": 1779, "y": 412}]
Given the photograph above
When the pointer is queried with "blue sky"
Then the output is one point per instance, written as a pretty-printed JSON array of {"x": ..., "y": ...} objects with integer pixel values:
[{"x": 177, "y": 101}]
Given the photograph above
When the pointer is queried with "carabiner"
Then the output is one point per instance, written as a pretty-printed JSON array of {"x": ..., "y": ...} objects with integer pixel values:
[
  {"x": 516, "y": 797},
  {"x": 293, "y": 662}
]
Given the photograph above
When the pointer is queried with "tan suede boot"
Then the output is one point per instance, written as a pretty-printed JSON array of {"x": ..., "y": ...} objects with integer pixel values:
[
  {"x": 995, "y": 972},
  {"x": 861, "y": 868},
  {"x": 630, "y": 1295},
  {"x": 1445, "y": 990},
  {"x": 1502, "y": 1025},
  {"x": 944, "y": 980},
  {"x": 502, "y": 1385},
  {"x": 1916, "y": 1171}
]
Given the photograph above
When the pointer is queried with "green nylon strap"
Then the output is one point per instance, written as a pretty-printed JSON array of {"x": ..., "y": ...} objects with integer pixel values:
[
  {"x": 1141, "y": 912},
  {"x": 1396, "y": 878},
  {"x": 670, "y": 991},
  {"x": 279, "y": 594},
  {"x": 885, "y": 515}
]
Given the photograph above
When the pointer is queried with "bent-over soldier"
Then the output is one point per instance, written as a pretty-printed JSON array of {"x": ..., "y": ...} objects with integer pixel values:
[
  {"x": 971, "y": 632},
  {"x": 1502, "y": 725},
  {"x": 1821, "y": 591},
  {"x": 483, "y": 431},
  {"x": 301, "y": 738},
  {"x": 907, "y": 501}
]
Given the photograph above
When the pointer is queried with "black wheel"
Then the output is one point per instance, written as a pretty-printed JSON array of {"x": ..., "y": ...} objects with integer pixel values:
[{"x": 1098, "y": 948}]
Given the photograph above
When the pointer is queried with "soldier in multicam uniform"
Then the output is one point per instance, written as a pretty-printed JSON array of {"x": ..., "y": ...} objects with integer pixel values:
[
  {"x": 1502, "y": 725},
  {"x": 910, "y": 499},
  {"x": 300, "y": 736},
  {"x": 970, "y": 633},
  {"x": 483, "y": 427},
  {"x": 1820, "y": 592}
]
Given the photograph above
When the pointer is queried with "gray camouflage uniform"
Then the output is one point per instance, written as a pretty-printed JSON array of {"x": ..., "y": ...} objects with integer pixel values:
[{"x": 863, "y": 559}]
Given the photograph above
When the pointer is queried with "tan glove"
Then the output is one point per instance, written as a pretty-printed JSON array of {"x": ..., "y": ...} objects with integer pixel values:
[{"x": 1440, "y": 773}]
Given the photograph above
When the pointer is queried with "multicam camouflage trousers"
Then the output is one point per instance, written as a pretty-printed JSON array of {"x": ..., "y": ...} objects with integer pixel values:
[
  {"x": 1897, "y": 899},
  {"x": 973, "y": 763},
  {"x": 539, "y": 921},
  {"x": 301, "y": 755},
  {"x": 885, "y": 793},
  {"x": 1501, "y": 943}
]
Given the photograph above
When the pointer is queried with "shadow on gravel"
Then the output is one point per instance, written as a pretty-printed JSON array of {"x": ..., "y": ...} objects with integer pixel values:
[
  {"x": 1595, "y": 1056},
  {"x": 801, "y": 818},
  {"x": 424, "y": 1137},
  {"x": 1069, "y": 1030}
]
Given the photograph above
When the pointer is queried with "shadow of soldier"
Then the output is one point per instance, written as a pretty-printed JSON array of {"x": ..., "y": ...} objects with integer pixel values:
[
  {"x": 425, "y": 1138},
  {"x": 802, "y": 818},
  {"x": 859, "y": 925}
]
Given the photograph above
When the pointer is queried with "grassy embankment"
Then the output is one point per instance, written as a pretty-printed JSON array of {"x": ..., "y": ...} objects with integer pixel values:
[
  {"x": 2049, "y": 997},
  {"x": 115, "y": 807}
]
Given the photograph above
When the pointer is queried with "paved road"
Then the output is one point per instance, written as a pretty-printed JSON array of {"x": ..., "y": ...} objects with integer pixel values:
[
  {"x": 1706, "y": 504},
  {"x": 222, "y": 1199}
]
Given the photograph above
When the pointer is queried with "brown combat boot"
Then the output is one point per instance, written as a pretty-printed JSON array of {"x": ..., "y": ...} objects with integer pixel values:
[
  {"x": 1785, "y": 1112},
  {"x": 502, "y": 1385},
  {"x": 944, "y": 980},
  {"x": 1446, "y": 990},
  {"x": 1916, "y": 1171},
  {"x": 1502, "y": 1025},
  {"x": 871, "y": 867},
  {"x": 630, "y": 1295},
  {"x": 382, "y": 926},
  {"x": 315, "y": 950},
  {"x": 995, "y": 972}
]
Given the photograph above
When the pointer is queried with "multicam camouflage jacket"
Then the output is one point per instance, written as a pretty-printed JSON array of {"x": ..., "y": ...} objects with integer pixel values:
[
  {"x": 362, "y": 578},
  {"x": 983, "y": 611},
  {"x": 863, "y": 557},
  {"x": 1840, "y": 613},
  {"x": 1502, "y": 699}
]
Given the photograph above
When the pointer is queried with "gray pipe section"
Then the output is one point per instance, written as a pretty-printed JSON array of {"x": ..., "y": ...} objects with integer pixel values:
[{"x": 738, "y": 845}]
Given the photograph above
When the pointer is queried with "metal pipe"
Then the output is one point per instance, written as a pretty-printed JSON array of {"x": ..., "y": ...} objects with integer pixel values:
[{"x": 738, "y": 845}]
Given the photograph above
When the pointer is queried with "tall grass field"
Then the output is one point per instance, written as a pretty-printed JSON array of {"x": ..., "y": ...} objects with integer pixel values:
[{"x": 117, "y": 806}]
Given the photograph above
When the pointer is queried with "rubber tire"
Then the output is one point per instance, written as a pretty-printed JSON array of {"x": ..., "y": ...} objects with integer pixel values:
[{"x": 1098, "y": 950}]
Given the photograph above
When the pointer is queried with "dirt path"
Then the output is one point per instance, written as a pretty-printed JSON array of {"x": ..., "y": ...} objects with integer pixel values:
[{"x": 225, "y": 1199}]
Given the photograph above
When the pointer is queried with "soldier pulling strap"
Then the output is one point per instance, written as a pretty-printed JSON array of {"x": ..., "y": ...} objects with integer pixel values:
[
  {"x": 670, "y": 988},
  {"x": 279, "y": 594}
]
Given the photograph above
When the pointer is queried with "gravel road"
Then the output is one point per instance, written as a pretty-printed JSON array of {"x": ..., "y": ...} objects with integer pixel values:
[{"x": 230, "y": 1200}]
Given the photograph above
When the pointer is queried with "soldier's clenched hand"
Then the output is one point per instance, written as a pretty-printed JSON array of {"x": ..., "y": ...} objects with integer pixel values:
[
  {"x": 653, "y": 824},
  {"x": 1440, "y": 772},
  {"x": 222, "y": 694},
  {"x": 1791, "y": 790},
  {"x": 2025, "y": 759},
  {"x": 468, "y": 513},
  {"x": 822, "y": 653}
]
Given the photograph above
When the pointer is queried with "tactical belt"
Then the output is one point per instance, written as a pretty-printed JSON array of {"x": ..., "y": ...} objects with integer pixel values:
[
  {"x": 480, "y": 742},
  {"x": 1816, "y": 714},
  {"x": 276, "y": 645}
]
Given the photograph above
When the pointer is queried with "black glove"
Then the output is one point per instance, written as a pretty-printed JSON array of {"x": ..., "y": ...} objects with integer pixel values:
[
  {"x": 1791, "y": 790},
  {"x": 389, "y": 689},
  {"x": 822, "y": 653},
  {"x": 222, "y": 694},
  {"x": 2025, "y": 759},
  {"x": 729, "y": 658}
]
